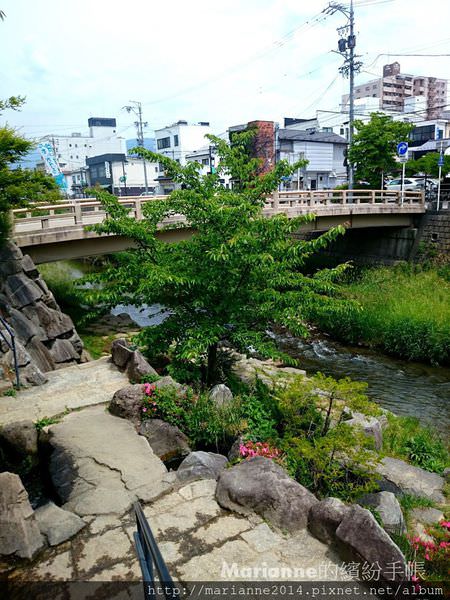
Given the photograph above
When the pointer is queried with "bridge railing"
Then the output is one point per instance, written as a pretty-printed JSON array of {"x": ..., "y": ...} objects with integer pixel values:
[
  {"x": 342, "y": 197},
  {"x": 89, "y": 211}
]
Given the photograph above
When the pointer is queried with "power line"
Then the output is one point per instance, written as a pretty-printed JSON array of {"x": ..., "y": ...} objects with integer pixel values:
[{"x": 309, "y": 24}]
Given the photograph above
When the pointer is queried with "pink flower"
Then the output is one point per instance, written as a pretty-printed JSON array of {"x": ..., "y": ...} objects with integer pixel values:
[
  {"x": 445, "y": 524},
  {"x": 144, "y": 409}
]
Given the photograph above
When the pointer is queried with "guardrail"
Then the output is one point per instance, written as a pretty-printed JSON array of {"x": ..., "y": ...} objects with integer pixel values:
[
  {"x": 151, "y": 560},
  {"x": 89, "y": 211}
]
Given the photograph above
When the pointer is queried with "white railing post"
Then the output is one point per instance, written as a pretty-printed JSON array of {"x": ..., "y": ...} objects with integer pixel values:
[
  {"x": 78, "y": 214},
  {"x": 344, "y": 197},
  {"x": 373, "y": 197},
  {"x": 275, "y": 201},
  {"x": 138, "y": 209}
]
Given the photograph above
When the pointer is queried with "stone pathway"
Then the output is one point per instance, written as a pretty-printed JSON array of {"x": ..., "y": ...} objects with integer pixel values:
[
  {"x": 78, "y": 386},
  {"x": 197, "y": 538},
  {"x": 100, "y": 465}
]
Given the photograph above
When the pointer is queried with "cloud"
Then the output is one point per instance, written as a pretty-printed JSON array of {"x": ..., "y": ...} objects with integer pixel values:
[{"x": 223, "y": 62}]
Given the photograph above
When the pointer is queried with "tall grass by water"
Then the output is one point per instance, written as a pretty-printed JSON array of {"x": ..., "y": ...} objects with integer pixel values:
[{"x": 403, "y": 310}]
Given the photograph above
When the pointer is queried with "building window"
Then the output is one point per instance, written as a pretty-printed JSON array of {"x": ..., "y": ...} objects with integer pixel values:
[
  {"x": 71, "y": 156},
  {"x": 164, "y": 143},
  {"x": 175, "y": 140},
  {"x": 205, "y": 161},
  {"x": 70, "y": 145},
  {"x": 342, "y": 131}
]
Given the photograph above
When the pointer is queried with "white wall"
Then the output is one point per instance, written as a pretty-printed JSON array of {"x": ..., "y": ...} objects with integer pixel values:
[
  {"x": 72, "y": 151},
  {"x": 190, "y": 138},
  {"x": 134, "y": 171}
]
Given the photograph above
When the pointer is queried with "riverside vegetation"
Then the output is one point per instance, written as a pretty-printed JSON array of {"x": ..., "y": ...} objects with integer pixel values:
[{"x": 403, "y": 310}]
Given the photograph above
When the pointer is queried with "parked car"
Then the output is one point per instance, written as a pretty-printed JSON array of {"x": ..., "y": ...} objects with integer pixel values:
[{"x": 410, "y": 184}]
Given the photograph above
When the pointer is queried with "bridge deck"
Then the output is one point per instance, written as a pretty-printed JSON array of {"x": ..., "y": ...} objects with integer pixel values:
[{"x": 44, "y": 225}]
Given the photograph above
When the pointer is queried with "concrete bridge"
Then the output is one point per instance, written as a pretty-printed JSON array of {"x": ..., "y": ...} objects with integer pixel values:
[{"x": 57, "y": 232}]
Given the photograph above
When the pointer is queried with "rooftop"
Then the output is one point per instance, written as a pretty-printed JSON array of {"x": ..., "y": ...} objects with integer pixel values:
[{"x": 313, "y": 136}]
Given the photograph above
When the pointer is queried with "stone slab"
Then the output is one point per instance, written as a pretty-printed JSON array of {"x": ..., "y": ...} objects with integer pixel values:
[{"x": 73, "y": 387}]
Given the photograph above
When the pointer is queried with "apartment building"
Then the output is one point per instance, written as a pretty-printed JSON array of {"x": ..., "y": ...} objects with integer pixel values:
[{"x": 394, "y": 89}]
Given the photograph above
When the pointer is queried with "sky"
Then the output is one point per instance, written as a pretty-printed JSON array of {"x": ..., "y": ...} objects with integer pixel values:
[{"x": 226, "y": 62}]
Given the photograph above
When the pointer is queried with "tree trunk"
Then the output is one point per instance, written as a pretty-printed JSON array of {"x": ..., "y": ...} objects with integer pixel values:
[{"x": 212, "y": 365}]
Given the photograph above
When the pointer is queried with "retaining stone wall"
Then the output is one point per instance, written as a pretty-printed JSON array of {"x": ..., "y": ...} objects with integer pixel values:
[{"x": 46, "y": 338}]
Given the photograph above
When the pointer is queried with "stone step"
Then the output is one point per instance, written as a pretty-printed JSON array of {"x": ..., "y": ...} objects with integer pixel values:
[{"x": 70, "y": 388}]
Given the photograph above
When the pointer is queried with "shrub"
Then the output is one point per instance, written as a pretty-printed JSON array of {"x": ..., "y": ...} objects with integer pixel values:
[
  {"x": 433, "y": 553},
  {"x": 322, "y": 452},
  {"x": 206, "y": 424}
]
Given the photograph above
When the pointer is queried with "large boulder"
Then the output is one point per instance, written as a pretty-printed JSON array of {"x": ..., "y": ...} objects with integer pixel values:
[
  {"x": 370, "y": 426},
  {"x": 120, "y": 353},
  {"x": 57, "y": 524},
  {"x": 21, "y": 436},
  {"x": 201, "y": 465},
  {"x": 221, "y": 394},
  {"x": 127, "y": 402},
  {"x": 389, "y": 509},
  {"x": 399, "y": 477},
  {"x": 166, "y": 441},
  {"x": 168, "y": 381},
  {"x": 19, "y": 531},
  {"x": 325, "y": 517},
  {"x": 138, "y": 367},
  {"x": 260, "y": 485},
  {"x": 362, "y": 540}
]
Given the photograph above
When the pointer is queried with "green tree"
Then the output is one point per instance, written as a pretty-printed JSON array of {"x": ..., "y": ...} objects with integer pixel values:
[
  {"x": 428, "y": 165},
  {"x": 238, "y": 273},
  {"x": 374, "y": 147},
  {"x": 19, "y": 187}
]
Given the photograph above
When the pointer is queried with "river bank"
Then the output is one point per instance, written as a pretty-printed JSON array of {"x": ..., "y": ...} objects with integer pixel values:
[
  {"x": 406, "y": 388},
  {"x": 403, "y": 311}
]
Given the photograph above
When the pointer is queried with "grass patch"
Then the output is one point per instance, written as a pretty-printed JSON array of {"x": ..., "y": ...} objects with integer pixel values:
[
  {"x": 11, "y": 392},
  {"x": 97, "y": 345},
  {"x": 406, "y": 438},
  {"x": 45, "y": 421},
  {"x": 404, "y": 310}
]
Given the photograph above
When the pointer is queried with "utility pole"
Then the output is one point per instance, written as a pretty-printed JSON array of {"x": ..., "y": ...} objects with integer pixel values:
[
  {"x": 441, "y": 164},
  {"x": 136, "y": 108},
  {"x": 346, "y": 46},
  {"x": 351, "y": 42}
]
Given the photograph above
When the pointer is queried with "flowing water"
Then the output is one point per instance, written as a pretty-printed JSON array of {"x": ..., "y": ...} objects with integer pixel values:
[{"x": 404, "y": 388}]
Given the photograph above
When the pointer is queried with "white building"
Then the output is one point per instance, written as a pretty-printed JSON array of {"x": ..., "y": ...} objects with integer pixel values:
[
  {"x": 122, "y": 175},
  {"x": 334, "y": 121},
  {"x": 209, "y": 161},
  {"x": 324, "y": 152},
  {"x": 72, "y": 150},
  {"x": 177, "y": 141}
]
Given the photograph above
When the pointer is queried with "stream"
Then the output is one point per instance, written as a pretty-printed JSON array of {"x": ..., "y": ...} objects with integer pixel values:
[{"x": 405, "y": 388}]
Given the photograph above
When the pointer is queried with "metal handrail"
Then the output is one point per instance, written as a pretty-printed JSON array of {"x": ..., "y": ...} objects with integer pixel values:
[
  {"x": 150, "y": 559},
  {"x": 12, "y": 346}
]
